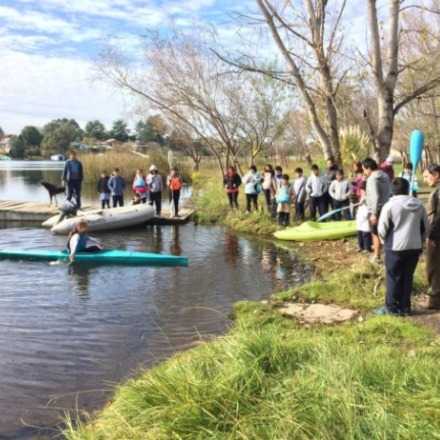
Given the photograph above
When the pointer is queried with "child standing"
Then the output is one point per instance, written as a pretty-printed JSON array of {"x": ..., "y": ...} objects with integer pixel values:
[
  {"x": 252, "y": 187},
  {"x": 140, "y": 186},
  {"x": 316, "y": 188},
  {"x": 284, "y": 200},
  {"x": 340, "y": 191},
  {"x": 175, "y": 184},
  {"x": 104, "y": 191},
  {"x": 365, "y": 241},
  {"x": 232, "y": 182},
  {"x": 300, "y": 194},
  {"x": 116, "y": 185}
]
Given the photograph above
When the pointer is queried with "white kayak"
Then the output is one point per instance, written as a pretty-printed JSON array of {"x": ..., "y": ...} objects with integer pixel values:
[{"x": 107, "y": 219}]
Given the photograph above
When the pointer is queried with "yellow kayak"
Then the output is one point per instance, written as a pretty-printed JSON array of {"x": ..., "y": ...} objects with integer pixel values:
[{"x": 314, "y": 231}]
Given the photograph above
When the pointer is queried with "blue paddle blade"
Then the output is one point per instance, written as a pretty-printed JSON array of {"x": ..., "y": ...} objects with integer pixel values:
[{"x": 417, "y": 142}]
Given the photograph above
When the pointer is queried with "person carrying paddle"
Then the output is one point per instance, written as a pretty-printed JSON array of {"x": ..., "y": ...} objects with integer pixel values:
[
  {"x": 73, "y": 176},
  {"x": 432, "y": 177},
  {"x": 79, "y": 241},
  {"x": 377, "y": 194},
  {"x": 175, "y": 185},
  {"x": 340, "y": 191},
  {"x": 403, "y": 224}
]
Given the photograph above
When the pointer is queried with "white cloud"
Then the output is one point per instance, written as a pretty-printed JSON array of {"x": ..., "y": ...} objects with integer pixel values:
[{"x": 35, "y": 89}]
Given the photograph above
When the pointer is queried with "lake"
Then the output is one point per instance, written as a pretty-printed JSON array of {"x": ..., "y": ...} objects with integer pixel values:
[{"x": 69, "y": 334}]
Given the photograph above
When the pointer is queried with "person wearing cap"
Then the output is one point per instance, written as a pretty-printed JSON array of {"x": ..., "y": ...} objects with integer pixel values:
[
  {"x": 387, "y": 167},
  {"x": 155, "y": 185},
  {"x": 432, "y": 177}
]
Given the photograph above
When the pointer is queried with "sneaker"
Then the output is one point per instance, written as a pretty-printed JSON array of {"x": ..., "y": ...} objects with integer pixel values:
[{"x": 385, "y": 311}]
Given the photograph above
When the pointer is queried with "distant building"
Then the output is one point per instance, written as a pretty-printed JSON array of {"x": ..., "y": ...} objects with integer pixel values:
[{"x": 6, "y": 144}]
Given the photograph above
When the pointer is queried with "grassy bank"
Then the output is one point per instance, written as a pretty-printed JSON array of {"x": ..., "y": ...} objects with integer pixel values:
[{"x": 269, "y": 378}]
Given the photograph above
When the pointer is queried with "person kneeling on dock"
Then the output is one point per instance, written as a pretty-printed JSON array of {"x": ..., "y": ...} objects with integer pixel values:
[
  {"x": 79, "y": 241},
  {"x": 403, "y": 224}
]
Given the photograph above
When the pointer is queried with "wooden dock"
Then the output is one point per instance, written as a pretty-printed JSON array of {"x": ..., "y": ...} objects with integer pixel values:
[{"x": 30, "y": 212}]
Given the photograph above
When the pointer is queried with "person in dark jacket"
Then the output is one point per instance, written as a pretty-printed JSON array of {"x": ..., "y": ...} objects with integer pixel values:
[
  {"x": 432, "y": 176},
  {"x": 232, "y": 182},
  {"x": 104, "y": 191},
  {"x": 116, "y": 185},
  {"x": 73, "y": 177},
  {"x": 402, "y": 228}
]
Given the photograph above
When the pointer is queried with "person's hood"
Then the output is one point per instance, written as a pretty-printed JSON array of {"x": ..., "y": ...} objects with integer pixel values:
[
  {"x": 408, "y": 203},
  {"x": 380, "y": 175}
]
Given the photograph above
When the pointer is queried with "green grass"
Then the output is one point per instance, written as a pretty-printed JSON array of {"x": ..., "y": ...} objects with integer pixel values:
[
  {"x": 270, "y": 379},
  {"x": 212, "y": 207},
  {"x": 361, "y": 286}
]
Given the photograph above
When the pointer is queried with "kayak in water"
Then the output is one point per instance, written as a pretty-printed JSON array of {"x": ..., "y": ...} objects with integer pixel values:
[
  {"x": 103, "y": 257},
  {"x": 314, "y": 231}
]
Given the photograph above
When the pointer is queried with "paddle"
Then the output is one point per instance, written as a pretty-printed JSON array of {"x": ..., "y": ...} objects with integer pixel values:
[
  {"x": 416, "y": 145},
  {"x": 335, "y": 211}
]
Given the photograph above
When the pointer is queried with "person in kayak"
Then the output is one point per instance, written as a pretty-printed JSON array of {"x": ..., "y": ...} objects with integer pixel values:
[
  {"x": 232, "y": 182},
  {"x": 73, "y": 177},
  {"x": 104, "y": 191},
  {"x": 79, "y": 241},
  {"x": 175, "y": 185},
  {"x": 402, "y": 228}
]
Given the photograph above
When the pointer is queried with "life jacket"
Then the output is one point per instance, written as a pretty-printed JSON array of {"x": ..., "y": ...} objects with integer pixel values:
[
  {"x": 82, "y": 242},
  {"x": 175, "y": 183}
]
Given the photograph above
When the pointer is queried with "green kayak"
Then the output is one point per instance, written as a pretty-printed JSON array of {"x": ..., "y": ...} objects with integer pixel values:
[
  {"x": 102, "y": 257},
  {"x": 314, "y": 231}
]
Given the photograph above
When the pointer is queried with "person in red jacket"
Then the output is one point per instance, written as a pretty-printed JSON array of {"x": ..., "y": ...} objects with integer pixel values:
[
  {"x": 387, "y": 167},
  {"x": 175, "y": 184}
]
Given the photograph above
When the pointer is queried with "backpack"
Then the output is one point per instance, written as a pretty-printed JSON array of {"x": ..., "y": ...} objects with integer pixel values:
[
  {"x": 175, "y": 184},
  {"x": 283, "y": 195}
]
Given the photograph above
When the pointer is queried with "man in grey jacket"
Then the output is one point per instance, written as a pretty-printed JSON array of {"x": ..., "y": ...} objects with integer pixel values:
[
  {"x": 377, "y": 194},
  {"x": 402, "y": 227}
]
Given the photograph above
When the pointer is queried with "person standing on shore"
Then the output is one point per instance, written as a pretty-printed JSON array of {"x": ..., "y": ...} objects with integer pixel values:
[
  {"x": 140, "y": 186},
  {"x": 316, "y": 188},
  {"x": 300, "y": 194},
  {"x": 116, "y": 185},
  {"x": 175, "y": 185},
  {"x": 269, "y": 186},
  {"x": 72, "y": 177},
  {"x": 252, "y": 187},
  {"x": 232, "y": 182},
  {"x": 402, "y": 228},
  {"x": 432, "y": 176},
  {"x": 340, "y": 192},
  {"x": 155, "y": 184},
  {"x": 377, "y": 194},
  {"x": 104, "y": 191}
]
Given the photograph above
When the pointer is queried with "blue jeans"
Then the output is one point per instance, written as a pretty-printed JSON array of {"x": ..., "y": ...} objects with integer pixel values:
[{"x": 74, "y": 190}]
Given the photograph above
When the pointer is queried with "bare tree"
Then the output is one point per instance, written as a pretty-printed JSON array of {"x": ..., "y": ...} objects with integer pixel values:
[
  {"x": 183, "y": 80},
  {"x": 388, "y": 67},
  {"x": 309, "y": 41}
]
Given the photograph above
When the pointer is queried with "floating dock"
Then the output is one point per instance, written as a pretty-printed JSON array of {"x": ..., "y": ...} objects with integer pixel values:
[{"x": 30, "y": 212}]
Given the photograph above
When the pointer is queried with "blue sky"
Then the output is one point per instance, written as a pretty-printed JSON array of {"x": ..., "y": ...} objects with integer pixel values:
[{"x": 48, "y": 47}]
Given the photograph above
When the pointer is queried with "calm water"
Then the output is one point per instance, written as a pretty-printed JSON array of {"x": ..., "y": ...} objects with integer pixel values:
[{"x": 67, "y": 335}]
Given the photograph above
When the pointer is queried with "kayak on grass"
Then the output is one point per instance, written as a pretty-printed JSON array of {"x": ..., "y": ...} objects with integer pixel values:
[
  {"x": 102, "y": 257},
  {"x": 314, "y": 231}
]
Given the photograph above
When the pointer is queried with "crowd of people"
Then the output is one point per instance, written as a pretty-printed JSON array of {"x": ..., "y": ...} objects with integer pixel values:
[
  {"x": 390, "y": 218},
  {"x": 111, "y": 188}
]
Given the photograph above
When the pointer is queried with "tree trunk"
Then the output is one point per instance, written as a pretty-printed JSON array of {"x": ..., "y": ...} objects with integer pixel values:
[{"x": 385, "y": 126}]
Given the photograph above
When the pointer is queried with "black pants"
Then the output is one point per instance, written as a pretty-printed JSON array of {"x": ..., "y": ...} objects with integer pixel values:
[
  {"x": 233, "y": 199},
  {"x": 337, "y": 204},
  {"x": 105, "y": 204},
  {"x": 400, "y": 268},
  {"x": 318, "y": 204},
  {"x": 300, "y": 210},
  {"x": 74, "y": 190},
  {"x": 156, "y": 200},
  {"x": 283, "y": 218},
  {"x": 118, "y": 200},
  {"x": 251, "y": 199},
  {"x": 365, "y": 242},
  {"x": 175, "y": 194},
  {"x": 268, "y": 198}
]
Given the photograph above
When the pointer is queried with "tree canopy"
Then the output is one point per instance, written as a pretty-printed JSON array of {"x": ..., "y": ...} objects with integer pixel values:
[
  {"x": 31, "y": 136},
  {"x": 119, "y": 131},
  {"x": 96, "y": 129},
  {"x": 59, "y": 134}
]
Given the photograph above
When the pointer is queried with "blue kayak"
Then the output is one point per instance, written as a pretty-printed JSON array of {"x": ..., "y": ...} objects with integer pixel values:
[{"x": 101, "y": 257}]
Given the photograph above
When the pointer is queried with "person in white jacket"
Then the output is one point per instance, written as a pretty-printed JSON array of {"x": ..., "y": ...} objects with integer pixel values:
[
  {"x": 340, "y": 192},
  {"x": 316, "y": 188}
]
